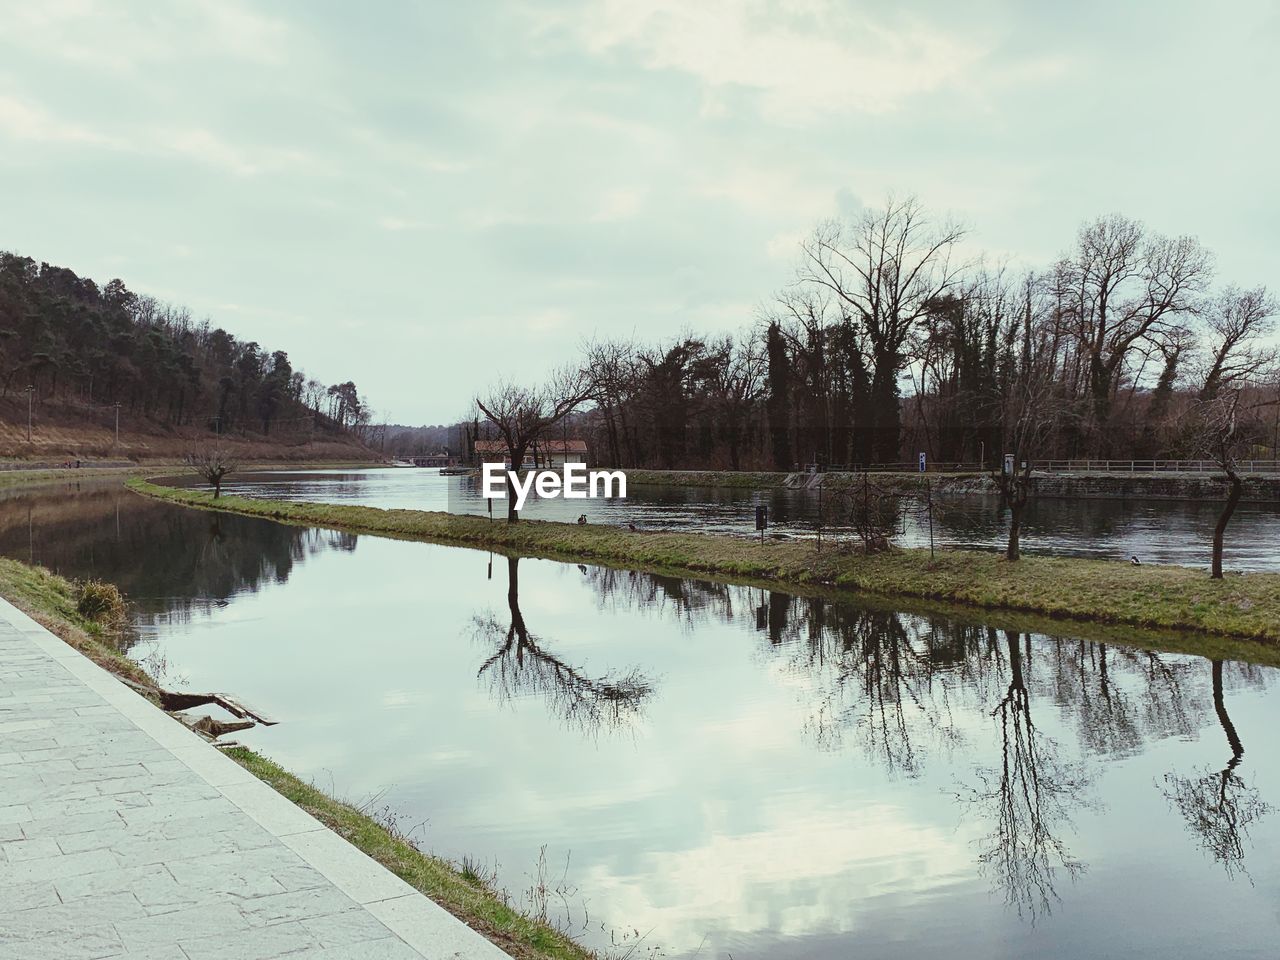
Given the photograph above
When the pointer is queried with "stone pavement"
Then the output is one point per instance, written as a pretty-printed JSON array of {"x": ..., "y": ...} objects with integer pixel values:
[{"x": 123, "y": 834}]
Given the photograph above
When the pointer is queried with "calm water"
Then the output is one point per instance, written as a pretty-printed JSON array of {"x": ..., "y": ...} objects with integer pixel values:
[
  {"x": 1156, "y": 531},
  {"x": 732, "y": 772}
]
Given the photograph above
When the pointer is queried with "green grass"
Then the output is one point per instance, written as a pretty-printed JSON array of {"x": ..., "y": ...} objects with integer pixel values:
[
  {"x": 1102, "y": 591},
  {"x": 751, "y": 479},
  {"x": 60, "y": 606},
  {"x": 24, "y": 478},
  {"x": 460, "y": 890}
]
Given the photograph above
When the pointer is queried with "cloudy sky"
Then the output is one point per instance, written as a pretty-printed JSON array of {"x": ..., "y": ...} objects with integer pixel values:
[{"x": 425, "y": 196}]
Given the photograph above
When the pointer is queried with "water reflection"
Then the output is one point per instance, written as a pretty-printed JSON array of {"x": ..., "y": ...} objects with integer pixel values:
[
  {"x": 168, "y": 562},
  {"x": 1219, "y": 806},
  {"x": 908, "y": 687},
  {"x": 796, "y": 776},
  {"x": 523, "y": 666},
  {"x": 1029, "y": 797}
]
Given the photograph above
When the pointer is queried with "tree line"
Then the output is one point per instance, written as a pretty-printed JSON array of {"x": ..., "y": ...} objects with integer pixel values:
[
  {"x": 73, "y": 341},
  {"x": 891, "y": 340}
]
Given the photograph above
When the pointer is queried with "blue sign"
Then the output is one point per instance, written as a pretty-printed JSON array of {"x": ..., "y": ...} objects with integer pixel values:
[{"x": 922, "y": 462}]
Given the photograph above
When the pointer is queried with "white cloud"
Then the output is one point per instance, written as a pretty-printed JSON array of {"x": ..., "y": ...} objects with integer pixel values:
[
  {"x": 111, "y": 36},
  {"x": 621, "y": 203},
  {"x": 805, "y": 60},
  {"x": 397, "y": 224},
  {"x": 26, "y": 121},
  {"x": 770, "y": 191},
  {"x": 732, "y": 880}
]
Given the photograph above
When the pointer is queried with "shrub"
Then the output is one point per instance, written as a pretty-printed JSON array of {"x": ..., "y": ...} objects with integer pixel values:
[{"x": 101, "y": 603}]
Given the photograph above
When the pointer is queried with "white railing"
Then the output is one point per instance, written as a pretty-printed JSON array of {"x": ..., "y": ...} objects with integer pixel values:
[
  {"x": 1154, "y": 466},
  {"x": 1265, "y": 467}
]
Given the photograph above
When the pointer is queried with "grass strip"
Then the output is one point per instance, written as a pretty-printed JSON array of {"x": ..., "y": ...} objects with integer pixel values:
[
  {"x": 463, "y": 892},
  {"x": 55, "y": 603}
]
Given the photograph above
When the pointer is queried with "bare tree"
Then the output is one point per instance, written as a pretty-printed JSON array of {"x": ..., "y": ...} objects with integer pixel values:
[
  {"x": 869, "y": 508},
  {"x": 1225, "y": 430},
  {"x": 1214, "y": 429},
  {"x": 1122, "y": 286},
  {"x": 1031, "y": 410},
  {"x": 614, "y": 370},
  {"x": 524, "y": 415},
  {"x": 887, "y": 268},
  {"x": 1239, "y": 322},
  {"x": 213, "y": 463}
]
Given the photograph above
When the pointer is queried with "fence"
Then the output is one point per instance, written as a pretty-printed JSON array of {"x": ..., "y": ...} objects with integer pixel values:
[
  {"x": 1068, "y": 466},
  {"x": 1154, "y": 466}
]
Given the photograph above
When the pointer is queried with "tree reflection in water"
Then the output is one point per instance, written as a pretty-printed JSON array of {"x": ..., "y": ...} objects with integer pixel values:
[
  {"x": 1029, "y": 797},
  {"x": 522, "y": 666},
  {"x": 1219, "y": 806},
  {"x": 910, "y": 687}
]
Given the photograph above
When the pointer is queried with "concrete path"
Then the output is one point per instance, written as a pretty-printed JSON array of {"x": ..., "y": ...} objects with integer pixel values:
[{"x": 123, "y": 834}]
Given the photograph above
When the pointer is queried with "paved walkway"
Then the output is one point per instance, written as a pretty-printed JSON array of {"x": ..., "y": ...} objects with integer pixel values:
[{"x": 123, "y": 834}]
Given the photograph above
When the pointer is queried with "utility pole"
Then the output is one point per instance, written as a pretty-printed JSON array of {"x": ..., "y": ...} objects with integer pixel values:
[{"x": 30, "y": 393}]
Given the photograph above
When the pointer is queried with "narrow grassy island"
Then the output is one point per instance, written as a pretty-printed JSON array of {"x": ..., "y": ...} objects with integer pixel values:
[{"x": 1243, "y": 606}]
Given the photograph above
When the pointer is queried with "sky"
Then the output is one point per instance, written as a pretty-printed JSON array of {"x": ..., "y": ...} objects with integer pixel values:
[{"x": 427, "y": 197}]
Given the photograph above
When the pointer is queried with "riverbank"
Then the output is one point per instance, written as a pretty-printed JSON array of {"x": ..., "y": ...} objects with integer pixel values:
[
  {"x": 1100, "y": 591},
  {"x": 93, "y": 629},
  {"x": 15, "y": 473},
  {"x": 1067, "y": 486}
]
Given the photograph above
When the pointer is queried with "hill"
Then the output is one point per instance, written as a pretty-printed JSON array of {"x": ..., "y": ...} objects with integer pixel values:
[{"x": 76, "y": 357}]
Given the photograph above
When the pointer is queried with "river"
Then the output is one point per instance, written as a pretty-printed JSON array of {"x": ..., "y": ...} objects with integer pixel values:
[{"x": 727, "y": 771}]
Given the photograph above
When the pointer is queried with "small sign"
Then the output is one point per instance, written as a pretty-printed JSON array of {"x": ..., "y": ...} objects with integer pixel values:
[
  {"x": 923, "y": 462},
  {"x": 1008, "y": 464},
  {"x": 762, "y": 517}
]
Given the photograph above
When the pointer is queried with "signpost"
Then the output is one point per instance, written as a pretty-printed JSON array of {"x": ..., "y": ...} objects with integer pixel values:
[
  {"x": 762, "y": 519},
  {"x": 923, "y": 462},
  {"x": 1008, "y": 464}
]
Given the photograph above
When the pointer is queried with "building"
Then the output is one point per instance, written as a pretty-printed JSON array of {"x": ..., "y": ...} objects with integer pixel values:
[
  {"x": 442, "y": 459},
  {"x": 546, "y": 454}
]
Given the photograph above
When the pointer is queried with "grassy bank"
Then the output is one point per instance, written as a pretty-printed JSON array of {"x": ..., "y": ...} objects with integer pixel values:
[
  {"x": 20, "y": 476},
  {"x": 461, "y": 892},
  {"x": 1102, "y": 591},
  {"x": 70, "y": 611},
  {"x": 748, "y": 479},
  {"x": 25, "y": 478},
  {"x": 79, "y": 614}
]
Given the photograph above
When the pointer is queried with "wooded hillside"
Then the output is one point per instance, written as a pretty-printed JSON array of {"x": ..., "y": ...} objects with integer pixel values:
[{"x": 83, "y": 351}]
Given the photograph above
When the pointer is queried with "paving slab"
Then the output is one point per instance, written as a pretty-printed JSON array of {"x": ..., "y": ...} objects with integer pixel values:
[{"x": 123, "y": 834}]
